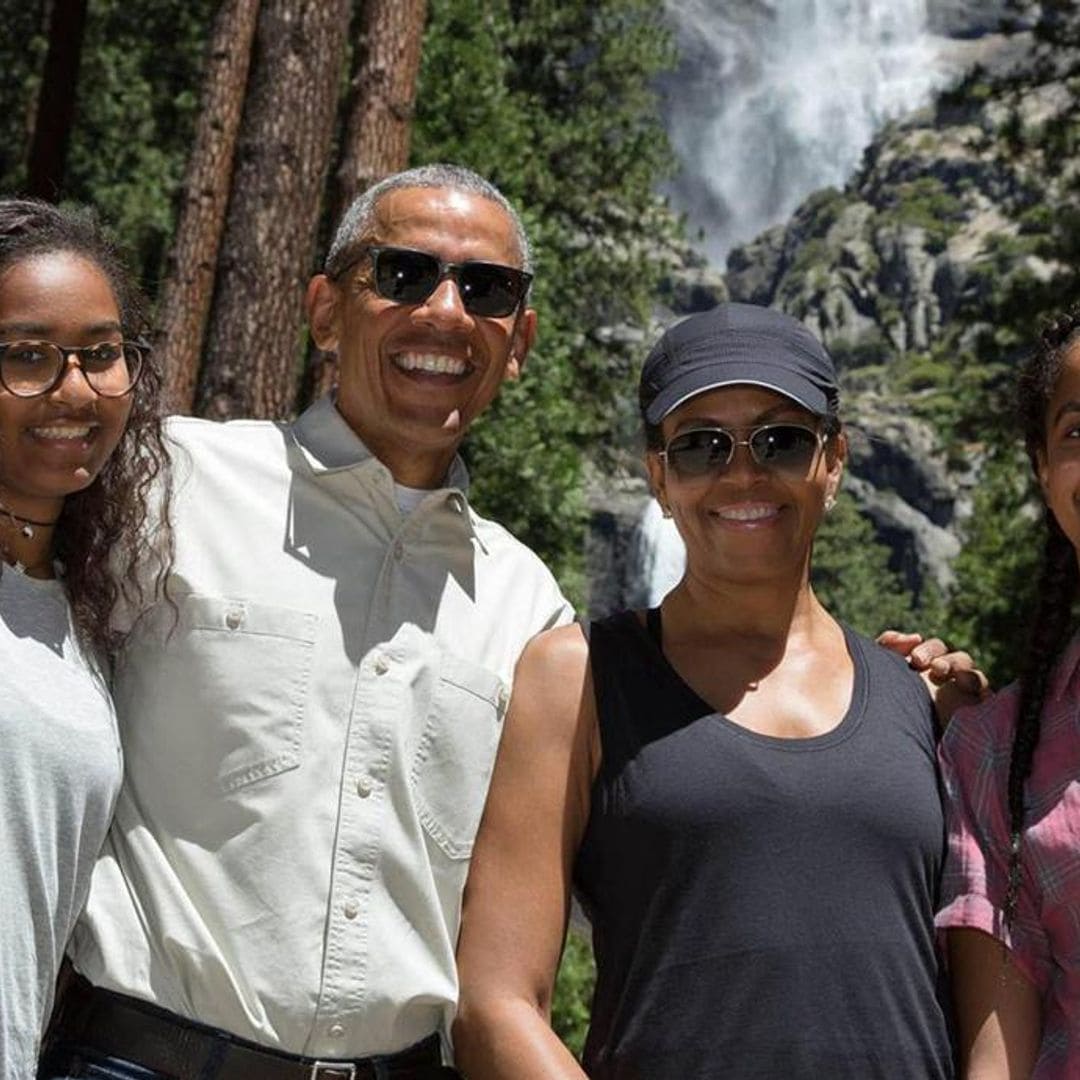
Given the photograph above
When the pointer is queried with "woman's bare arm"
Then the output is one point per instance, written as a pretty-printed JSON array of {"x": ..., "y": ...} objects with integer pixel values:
[
  {"x": 517, "y": 895},
  {"x": 998, "y": 1012}
]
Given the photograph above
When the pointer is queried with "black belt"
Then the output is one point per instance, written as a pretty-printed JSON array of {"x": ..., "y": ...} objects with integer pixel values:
[{"x": 146, "y": 1035}]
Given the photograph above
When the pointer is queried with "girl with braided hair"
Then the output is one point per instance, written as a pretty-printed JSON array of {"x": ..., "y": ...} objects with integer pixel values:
[
  {"x": 1011, "y": 769},
  {"x": 80, "y": 451}
]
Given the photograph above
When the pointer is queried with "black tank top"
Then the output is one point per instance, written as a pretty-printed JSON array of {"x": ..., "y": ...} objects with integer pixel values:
[{"x": 761, "y": 907}]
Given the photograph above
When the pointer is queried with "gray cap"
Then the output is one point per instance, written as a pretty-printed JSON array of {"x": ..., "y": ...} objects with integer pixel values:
[{"x": 737, "y": 344}]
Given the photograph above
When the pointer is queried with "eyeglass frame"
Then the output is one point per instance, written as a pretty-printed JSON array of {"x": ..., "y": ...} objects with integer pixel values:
[
  {"x": 446, "y": 269},
  {"x": 821, "y": 437},
  {"x": 142, "y": 349}
]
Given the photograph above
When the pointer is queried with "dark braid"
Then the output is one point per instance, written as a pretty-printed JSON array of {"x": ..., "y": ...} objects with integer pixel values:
[{"x": 1052, "y": 622}]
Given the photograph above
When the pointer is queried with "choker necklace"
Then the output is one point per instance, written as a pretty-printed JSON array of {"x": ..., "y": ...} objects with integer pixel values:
[{"x": 25, "y": 525}]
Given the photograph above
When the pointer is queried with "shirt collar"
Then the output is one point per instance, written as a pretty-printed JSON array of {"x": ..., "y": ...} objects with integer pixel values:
[{"x": 330, "y": 445}]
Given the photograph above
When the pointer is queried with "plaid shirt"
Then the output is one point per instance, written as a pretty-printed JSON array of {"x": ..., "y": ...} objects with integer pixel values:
[{"x": 1045, "y": 937}]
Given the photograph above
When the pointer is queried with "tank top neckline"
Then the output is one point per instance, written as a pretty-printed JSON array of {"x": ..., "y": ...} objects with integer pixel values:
[{"x": 651, "y": 634}]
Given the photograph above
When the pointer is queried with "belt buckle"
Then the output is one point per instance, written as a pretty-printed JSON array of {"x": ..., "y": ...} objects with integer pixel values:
[{"x": 333, "y": 1070}]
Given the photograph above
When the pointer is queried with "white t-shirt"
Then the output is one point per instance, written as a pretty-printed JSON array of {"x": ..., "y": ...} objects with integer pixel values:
[{"x": 60, "y": 772}]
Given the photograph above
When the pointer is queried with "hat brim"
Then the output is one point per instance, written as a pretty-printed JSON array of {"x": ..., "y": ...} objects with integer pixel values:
[{"x": 756, "y": 373}]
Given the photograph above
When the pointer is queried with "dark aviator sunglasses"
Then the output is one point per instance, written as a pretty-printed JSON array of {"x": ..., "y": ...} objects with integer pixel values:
[
  {"x": 407, "y": 276},
  {"x": 708, "y": 451}
]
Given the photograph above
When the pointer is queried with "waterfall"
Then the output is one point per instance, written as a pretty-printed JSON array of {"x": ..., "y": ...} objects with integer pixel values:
[
  {"x": 774, "y": 99},
  {"x": 657, "y": 558}
]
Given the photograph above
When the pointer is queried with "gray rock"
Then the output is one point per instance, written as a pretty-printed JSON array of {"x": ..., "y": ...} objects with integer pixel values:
[
  {"x": 754, "y": 269},
  {"x": 899, "y": 453},
  {"x": 966, "y": 18},
  {"x": 922, "y": 551}
]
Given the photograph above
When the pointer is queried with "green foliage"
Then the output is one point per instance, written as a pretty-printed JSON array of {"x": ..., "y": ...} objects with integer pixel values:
[
  {"x": 962, "y": 102},
  {"x": 553, "y": 101},
  {"x": 864, "y": 353},
  {"x": 573, "y": 992},
  {"x": 821, "y": 209},
  {"x": 851, "y": 574},
  {"x": 1037, "y": 219},
  {"x": 997, "y": 566},
  {"x": 135, "y": 118},
  {"x": 22, "y": 52},
  {"x": 927, "y": 204},
  {"x": 953, "y": 389}
]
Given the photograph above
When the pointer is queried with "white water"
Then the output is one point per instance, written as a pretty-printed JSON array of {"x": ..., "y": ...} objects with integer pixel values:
[
  {"x": 657, "y": 558},
  {"x": 774, "y": 99}
]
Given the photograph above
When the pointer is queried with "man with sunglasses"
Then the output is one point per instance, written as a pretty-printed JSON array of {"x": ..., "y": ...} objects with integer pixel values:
[{"x": 311, "y": 715}]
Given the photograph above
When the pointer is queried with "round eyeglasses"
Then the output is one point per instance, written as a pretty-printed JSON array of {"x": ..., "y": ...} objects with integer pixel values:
[
  {"x": 708, "y": 451},
  {"x": 32, "y": 368}
]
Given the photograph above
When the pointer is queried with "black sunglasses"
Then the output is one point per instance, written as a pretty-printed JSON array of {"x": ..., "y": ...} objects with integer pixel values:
[
  {"x": 708, "y": 451},
  {"x": 407, "y": 276}
]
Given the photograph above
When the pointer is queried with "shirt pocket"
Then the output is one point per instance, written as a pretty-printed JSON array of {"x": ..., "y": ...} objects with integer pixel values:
[
  {"x": 456, "y": 752},
  {"x": 229, "y": 680}
]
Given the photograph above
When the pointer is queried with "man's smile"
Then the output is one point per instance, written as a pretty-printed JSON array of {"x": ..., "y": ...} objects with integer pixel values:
[{"x": 435, "y": 363}]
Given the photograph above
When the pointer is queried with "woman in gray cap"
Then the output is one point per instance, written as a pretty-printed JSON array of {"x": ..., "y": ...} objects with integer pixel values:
[{"x": 740, "y": 790}]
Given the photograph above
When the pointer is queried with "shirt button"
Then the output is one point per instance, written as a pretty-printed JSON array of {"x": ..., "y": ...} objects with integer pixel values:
[
  {"x": 504, "y": 697},
  {"x": 233, "y": 619},
  {"x": 363, "y": 787},
  {"x": 335, "y": 1031},
  {"x": 382, "y": 666},
  {"x": 352, "y": 909}
]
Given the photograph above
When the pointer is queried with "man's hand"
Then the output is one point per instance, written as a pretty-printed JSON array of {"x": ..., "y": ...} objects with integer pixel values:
[{"x": 951, "y": 677}]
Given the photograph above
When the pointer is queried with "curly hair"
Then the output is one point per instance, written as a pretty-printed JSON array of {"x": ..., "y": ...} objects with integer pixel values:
[
  {"x": 101, "y": 535},
  {"x": 1059, "y": 579}
]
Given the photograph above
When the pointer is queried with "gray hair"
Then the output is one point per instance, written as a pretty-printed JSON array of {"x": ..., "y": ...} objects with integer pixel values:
[{"x": 359, "y": 220}]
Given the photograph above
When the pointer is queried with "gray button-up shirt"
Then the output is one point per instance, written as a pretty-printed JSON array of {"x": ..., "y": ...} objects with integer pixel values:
[{"x": 309, "y": 724}]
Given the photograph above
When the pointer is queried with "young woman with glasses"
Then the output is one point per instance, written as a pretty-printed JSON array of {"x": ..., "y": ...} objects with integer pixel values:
[
  {"x": 1011, "y": 891},
  {"x": 740, "y": 791},
  {"x": 80, "y": 448}
]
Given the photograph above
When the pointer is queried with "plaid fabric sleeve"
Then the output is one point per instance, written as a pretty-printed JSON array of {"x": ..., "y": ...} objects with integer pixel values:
[{"x": 974, "y": 758}]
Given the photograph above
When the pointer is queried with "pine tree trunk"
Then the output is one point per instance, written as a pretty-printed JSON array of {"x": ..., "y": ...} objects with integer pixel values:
[
  {"x": 381, "y": 97},
  {"x": 189, "y": 282},
  {"x": 379, "y": 121},
  {"x": 253, "y": 350},
  {"x": 56, "y": 100}
]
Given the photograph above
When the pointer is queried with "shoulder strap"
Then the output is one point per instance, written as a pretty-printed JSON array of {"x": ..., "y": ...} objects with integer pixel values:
[
  {"x": 654, "y": 624},
  {"x": 616, "y": 660}
]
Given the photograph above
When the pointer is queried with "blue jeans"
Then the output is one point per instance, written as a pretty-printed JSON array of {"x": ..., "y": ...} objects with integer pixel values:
[{"x": 66, "y": 1061}]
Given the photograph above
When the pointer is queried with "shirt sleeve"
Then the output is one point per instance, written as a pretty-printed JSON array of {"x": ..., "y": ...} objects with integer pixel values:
[{"x": 974, "y": 757}]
